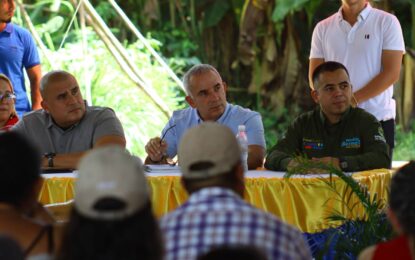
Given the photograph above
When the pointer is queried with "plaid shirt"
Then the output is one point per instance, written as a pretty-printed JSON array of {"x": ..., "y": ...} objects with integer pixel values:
[{"x": 217, "y": 216}]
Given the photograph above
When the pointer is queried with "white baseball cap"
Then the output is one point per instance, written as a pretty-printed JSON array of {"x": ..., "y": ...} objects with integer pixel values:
[
  {"x": 207, "y": 150},
  {"x": 110, "y": 173}
]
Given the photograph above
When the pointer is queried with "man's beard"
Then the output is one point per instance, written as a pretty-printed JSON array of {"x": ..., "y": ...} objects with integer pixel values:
[{"x": 6, "y": 21}]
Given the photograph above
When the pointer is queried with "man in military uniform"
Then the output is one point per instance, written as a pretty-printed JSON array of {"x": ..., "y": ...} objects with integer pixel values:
[{"x": 334, "y": 133}]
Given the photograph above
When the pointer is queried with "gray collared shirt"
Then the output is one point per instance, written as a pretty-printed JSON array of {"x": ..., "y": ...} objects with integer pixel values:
[{"x": 97, "y": 122}]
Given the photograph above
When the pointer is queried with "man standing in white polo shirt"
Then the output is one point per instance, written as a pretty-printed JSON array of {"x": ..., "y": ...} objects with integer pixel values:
[{"x": 369, "y": 42}]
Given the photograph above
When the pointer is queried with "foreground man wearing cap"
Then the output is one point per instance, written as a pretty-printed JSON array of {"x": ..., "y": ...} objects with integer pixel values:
[
  {"x": 112, "y": 216},
  {"x": 66, "y": 127},
  {"x": 206, "y": 95},
  {"x": 334, "y": 133},
  {"x": 215, "y": 214}
]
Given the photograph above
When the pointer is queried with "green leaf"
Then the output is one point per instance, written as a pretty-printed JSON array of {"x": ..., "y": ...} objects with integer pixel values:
[
  {"x": 357, "y": 232},
  {"x": 284, "y": 7},
  {"x": 49, "y": 41},
  {"x": 337, "y": 218},
  {"x": 215, "y": 13},
  {"x": 53, "y": 25},
  {"x": 311, "y": 8}
]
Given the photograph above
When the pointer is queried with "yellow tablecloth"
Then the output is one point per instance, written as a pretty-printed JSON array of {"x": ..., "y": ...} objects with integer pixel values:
[{"x": 302, "y": 202}]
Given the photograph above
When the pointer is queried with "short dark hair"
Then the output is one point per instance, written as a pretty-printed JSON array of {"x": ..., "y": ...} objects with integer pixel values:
[
  {"x": 226, "y": 180},
  {"x": 241, "y": 252},
  {"x": 19, "y": 168},
  {"x": 10, "y": 249},
  {"x": 197, "y": 69},
  {"x": 135, "y": 237},
  {"x": 402, "y": 197},
  {"x": 52, "y": 76},
  {"x": 327, "y": 66}
]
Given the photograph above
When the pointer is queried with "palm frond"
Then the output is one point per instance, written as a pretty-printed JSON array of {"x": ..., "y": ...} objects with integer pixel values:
[{"x": 356, "y": 232}]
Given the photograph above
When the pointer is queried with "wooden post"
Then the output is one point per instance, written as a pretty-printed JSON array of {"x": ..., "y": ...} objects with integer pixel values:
[
  {"x": 122, "y": 57},
  {"x": 137, "y": 33}
]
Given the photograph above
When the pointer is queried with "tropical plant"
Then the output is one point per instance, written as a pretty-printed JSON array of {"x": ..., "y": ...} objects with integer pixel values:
[
  {"x": 405, "y": 140},
  {"x": 102, "y": 81},
  {"x": 356, "y": 232},
  {"x": 52, "y": 18},
  {"x": 140, "y": 117},
  {"x": 260, "y": 47}
]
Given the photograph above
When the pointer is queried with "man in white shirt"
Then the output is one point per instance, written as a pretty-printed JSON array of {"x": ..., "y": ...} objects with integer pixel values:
[{"x": 369, "y": 42}]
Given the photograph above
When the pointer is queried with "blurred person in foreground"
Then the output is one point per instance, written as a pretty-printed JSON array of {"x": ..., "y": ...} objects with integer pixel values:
[
  {"x": 215, "y": 213},
  {"x": 21, "y": 216},
  {"x": 112, "y": 216},
  {"x": 335, "y": 133},
  {"x": 206, "y": 95},
  {"x": 17, "y": 51},
  {"x": 10, "y": 249},
  {"x": 8, "y": 116},
  {"x": 401, "y": 214},
  {"x": 66, "y": 127},
  {"x": 233, "y": 252}
]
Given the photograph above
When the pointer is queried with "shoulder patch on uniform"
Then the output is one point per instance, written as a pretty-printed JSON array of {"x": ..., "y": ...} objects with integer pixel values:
[{"x": 379, "y": 136}]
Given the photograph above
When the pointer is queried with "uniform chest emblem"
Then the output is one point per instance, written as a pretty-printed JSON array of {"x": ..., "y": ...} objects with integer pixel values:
[
  {"x": 310, "y": 144},
  {"x": 351, "y": 143}
]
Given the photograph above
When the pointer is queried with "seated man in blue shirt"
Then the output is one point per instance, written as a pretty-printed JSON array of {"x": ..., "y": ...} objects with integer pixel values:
[
  {"x": 206, "y": 95},
  {"x": 215, "y": 215}
]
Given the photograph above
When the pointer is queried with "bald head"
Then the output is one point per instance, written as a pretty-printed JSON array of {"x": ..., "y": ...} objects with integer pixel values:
[
  {"x": 53, "y": 77},
  {"x": 62, "y": 98}
]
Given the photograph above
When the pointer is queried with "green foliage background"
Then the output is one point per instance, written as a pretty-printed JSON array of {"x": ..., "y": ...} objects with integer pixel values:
[
  {"x": 141, "y": 119},
  {"x": 187, "y": 32}
]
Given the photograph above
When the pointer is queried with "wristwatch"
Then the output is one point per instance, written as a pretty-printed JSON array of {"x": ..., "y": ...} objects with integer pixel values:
[
  {"x": 343, "y": 163},
  {"x": 50, "y": 157}
]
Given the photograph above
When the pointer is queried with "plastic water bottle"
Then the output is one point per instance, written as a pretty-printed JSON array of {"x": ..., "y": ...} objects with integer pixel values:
[{"x": 243, "y": 144}]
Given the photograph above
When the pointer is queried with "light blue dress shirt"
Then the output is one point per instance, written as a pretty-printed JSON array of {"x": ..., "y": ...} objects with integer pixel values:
[{"x": 233, "y": 116}]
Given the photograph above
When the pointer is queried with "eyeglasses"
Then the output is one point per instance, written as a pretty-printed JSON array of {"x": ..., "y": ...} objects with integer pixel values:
[
  {"x": 170, "y": 162},
  {"x": 7, "y": 96},
  {"x": 164, "y": 135}
]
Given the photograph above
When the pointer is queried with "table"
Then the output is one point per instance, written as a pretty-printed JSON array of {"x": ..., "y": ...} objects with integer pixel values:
[{"x": 303, "y": 201}]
